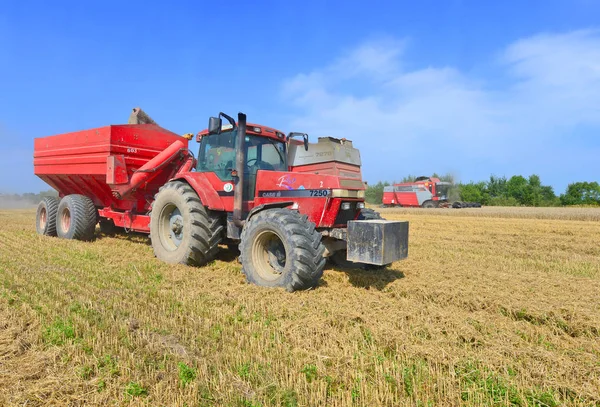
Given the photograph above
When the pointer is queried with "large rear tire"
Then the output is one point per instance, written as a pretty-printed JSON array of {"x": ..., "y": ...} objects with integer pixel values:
[
  {"x": 182, "y": 230},
  {"x": 281, "y": 248},
  {"x": 45, "y": 219},
  {"x": 76, "y": 218}
]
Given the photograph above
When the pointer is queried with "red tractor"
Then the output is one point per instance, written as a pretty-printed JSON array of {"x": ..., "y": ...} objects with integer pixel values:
[
  {"x": 424, "y": 192},
  {"x": 288, "y": 204}
]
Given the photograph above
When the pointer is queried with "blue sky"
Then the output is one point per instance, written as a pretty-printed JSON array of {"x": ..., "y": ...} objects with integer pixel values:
[{"x": 468, "y": 87}]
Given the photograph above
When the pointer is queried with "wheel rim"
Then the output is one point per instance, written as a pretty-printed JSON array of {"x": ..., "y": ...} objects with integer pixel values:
[
  {"x": 269, "y": 255},
  {"x": 65, "y": 220},
  {"x": 171, "y": 227},
  {"x": 43, "y": 218}
]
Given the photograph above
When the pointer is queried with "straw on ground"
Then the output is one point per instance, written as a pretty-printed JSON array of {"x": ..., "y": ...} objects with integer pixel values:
[{"x": 487, "y": 310}]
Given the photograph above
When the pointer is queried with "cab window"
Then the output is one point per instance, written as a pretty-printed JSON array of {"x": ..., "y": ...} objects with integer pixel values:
[{"x": 217, "y": 154}]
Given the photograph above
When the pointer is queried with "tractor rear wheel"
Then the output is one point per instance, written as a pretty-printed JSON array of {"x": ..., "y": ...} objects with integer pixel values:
[
  {"x": 76, "y": 218},
  {"x": 281, "y": 248},
  {"x": 45, "y": 220},
  {"x": 339, "y": 258},
  {"x": 182, "y": 230}
]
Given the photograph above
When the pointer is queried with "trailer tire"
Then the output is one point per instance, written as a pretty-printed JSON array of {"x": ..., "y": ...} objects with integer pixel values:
[
  {"x": 45, "y": 219},
  {"x": 76, "y": 218},
  {"x": 182, "y": 230},
  {"x": 339, "y": 258},
  {"x": 281, "y": 248},
  {"x": 428, "y": 204}
]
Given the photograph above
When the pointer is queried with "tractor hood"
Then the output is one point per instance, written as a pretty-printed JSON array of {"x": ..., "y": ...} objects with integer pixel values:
[{"x": 329, "y": 156}]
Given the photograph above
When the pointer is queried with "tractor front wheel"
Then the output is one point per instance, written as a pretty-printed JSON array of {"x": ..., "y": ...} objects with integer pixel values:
[
  {"x": 76, "y": 218},
  {"x": 45, "y": 220},
  {"x": 182, "y": 230},
  {"x": 281, "y": 248}
]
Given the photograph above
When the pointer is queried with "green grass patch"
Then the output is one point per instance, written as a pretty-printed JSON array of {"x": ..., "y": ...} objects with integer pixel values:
[
  {"x": 134, "y": 389},
  {"x": 59, "y": 332},
  {"x": 187, "y": 374}
]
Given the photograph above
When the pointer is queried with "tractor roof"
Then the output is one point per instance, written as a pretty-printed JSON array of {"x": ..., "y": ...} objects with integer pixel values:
[{"x": 251, "y": 128}]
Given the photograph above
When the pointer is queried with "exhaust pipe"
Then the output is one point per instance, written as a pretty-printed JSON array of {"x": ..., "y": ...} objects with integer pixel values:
[{"x": 240, "y": 161}]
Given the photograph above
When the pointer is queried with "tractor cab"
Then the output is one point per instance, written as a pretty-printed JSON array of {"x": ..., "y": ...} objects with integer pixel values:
[
  {"x": 264, "y": 149},
  {"x": 266, "y": 168},
  {"x": 442, "y": 190}
]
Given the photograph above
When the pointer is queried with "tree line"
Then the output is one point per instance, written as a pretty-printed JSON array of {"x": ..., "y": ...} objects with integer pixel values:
[
  {"x": 497, "y": 191},
  {"x": 28, "y": 198},
  {"x": 501, "y": 191}
]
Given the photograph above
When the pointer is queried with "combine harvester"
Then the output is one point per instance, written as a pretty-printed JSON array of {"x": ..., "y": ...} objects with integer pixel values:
[
  {"x": 424, "y": 192},
  {"x": 287, "y": 203}
]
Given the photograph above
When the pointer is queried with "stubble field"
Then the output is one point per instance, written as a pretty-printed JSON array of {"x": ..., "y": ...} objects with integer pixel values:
[{"x": 493, "y": 307}]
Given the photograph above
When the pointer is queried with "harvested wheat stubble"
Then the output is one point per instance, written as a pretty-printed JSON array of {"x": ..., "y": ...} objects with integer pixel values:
[
  {"x": 486, "y": 311},
  {"x": 559, "y": 213}
]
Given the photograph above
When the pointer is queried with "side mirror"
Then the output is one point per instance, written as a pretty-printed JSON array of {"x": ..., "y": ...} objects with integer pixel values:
[
  {"x": 214, "y": 125},
  {"x": 297, "y": 134}
]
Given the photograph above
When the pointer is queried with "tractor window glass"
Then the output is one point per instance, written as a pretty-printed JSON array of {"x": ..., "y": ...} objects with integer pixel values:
[
  {"x": 217, "y": 154},
  {"x": 442, "y": 190},
  {"x": 252, "y": 154},
  {"x": 266, "y": 154},
  {"x": 274, "y": 154}
]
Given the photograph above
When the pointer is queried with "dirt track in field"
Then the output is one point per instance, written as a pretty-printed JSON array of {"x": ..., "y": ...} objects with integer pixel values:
[{"x": 491, "y": 308}]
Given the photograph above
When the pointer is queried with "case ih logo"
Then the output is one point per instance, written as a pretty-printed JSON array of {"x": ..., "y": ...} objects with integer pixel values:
[{"x": 286, "y": 182}]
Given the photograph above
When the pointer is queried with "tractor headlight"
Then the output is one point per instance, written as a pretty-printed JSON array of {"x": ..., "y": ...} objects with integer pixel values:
[
  {"x": 360, "y": 205},
  {"x": 345, "y": 206},
  {"x": 347, "y": 193}
]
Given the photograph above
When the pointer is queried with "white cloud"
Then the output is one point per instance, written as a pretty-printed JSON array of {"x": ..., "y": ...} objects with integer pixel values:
[{"x": 441, "y": 119}]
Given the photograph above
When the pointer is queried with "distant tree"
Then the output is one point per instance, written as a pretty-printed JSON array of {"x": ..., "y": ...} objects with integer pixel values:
[
  {"x": 444, "y": 177},
  {"x": 474, "y": 192},
  {"x": 547, "y": 193},
  {"x": 581, "y": 193},
  {"x": 29, "y": 197},
  {"x": 374, "y": 193},
  {"x": 408, "y": 178},
  {"x": 496, "y": 187},
  {"x": 517, "y": 188}
]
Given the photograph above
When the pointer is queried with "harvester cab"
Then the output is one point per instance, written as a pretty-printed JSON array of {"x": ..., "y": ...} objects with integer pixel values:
[{"x": 287, "y": 204}]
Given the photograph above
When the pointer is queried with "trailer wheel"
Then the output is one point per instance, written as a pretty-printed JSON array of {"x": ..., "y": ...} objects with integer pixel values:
[
  {"x": 45, "y": 220},
  {"x": 76, "y": 218},
  {"x": 281, "y": 248},
  {"x": 339, "y": 258},
  {"x": 182, "y": 230}
]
